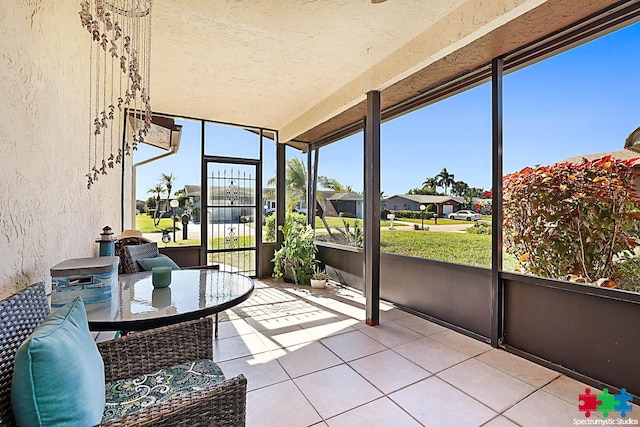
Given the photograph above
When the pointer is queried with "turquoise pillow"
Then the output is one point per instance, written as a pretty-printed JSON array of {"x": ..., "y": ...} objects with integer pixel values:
[
  {"x": 159, "y": 261},
  {"x": 58, "y": 377}
]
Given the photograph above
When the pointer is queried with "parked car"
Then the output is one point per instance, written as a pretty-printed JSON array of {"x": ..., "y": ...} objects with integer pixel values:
[{"x": 466, "y": 215}]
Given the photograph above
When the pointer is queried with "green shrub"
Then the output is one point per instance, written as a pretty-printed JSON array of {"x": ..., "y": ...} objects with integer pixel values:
[
  {"x": 626, "y": 270},
  {"x": 409, "y": 214},
  {"x": 270, "y": 224},
  {"x": 479, "y": 228},
  {"x": 297, "y": 253}
]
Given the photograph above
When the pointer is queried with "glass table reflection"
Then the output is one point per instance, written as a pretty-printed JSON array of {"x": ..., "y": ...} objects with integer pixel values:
[{"x": 136, "y": 305}]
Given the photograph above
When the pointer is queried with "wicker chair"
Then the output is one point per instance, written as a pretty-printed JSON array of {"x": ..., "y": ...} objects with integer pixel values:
[
  {"x": 130, "y": 254},
  {"x": 222, "y": 405}
]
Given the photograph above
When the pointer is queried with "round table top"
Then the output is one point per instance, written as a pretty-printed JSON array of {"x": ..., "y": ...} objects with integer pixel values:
[{"x": 137, "y": 305}]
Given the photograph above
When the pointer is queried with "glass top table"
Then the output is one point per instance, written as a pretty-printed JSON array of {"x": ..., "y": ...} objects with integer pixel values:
[{"x": 136, "y": 305}]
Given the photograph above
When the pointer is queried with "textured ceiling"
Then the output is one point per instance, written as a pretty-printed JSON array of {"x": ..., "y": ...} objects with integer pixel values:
[
  {"x": 292, "y": 65},
  {"x": 265, "y": 62}
]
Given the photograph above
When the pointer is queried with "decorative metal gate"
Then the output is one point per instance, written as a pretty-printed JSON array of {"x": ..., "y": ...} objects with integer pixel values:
[{"x": 230, "y": 228}]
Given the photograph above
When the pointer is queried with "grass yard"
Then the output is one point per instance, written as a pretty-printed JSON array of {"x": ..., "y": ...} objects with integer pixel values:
[
  {"x": 144, "y": 223},
  {"x": 441, "y": 221},
  {"x": 187, "y": 242},
  {"x": 459, "y": 248},
  {"x": 336, "y": 222}
]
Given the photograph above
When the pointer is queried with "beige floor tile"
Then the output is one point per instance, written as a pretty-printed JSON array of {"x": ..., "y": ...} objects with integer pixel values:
[
  {"x": 233, "y": 328},
  {"x": 388, "y": 371},
  {"x": 240, "y": 346},
  {"x": 518, "y": 367},
  {"x": 353, "y": 345},
  {"x": 421, "y": 325},
  {"x": 391, "y": 334},
  {"x": 500, "y": 421},
  {"x": 352, "y": 310},
  {"x": 280, "y": 405},
  {"x": 490, "y": 386},
  {"x": 382, "y": 412},
  {"x": 543, "y": 409},
  {"x": 324, "y": 328},
  {"x": 278, "y": 321},
  {"x": 568, "y": 389},
  {"x": 348, "y": 295},
  {"x": 461, "y": 343},
  {"x": 430, "y": 355},
  {"x": 260, "y": 370},
  {"x": 436, "y": 403},
  {"x": 336, "y": 390},
  {"x": 392, "y": 313},
  {"x": 286, "y": 337},
  {"x": 306, "y": 358}
]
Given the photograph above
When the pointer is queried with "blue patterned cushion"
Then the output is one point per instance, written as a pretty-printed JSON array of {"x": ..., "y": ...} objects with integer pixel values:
[{"x": 128, "y": 395}]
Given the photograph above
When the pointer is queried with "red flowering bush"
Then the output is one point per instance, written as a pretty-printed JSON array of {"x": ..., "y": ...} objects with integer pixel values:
[{"x": 572, "y": 221}]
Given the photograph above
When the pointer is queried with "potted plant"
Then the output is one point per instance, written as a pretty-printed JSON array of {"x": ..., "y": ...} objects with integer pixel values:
[
  {"x": 319, "y": 278},
  {"x": 294, "y": 261}
]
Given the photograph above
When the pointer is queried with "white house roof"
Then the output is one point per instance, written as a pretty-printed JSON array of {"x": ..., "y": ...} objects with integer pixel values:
[
  {"x": 346, "y": 196},
  {"x": 618, "y": 155},
  {"x": 420, "y": 198}
]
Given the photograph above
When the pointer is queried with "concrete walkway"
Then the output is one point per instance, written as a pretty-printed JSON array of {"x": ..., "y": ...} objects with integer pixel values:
[{"x": 220, "y": 230}]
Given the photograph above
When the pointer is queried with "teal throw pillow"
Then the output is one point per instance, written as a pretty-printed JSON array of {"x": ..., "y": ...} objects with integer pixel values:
[
  {"x": 159, "y": 261},
  {"x": 58, "y": 377}
]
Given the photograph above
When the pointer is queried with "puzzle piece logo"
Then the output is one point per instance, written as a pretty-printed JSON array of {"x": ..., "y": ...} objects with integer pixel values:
[
  {"x": 623, "y": 402},
  {"x": 589, "y": 402},
  {"x": 605, "y": 403}
]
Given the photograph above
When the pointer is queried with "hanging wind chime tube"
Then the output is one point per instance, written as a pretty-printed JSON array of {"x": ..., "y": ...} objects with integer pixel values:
[{"x": 120, "y": 32}]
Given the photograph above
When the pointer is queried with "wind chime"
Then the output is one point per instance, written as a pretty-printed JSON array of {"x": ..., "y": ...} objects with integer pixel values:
[{"x": 119, "y": 77}]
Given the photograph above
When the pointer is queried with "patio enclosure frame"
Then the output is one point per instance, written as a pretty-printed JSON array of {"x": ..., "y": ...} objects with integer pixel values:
[{"x": 583, "y": 331}]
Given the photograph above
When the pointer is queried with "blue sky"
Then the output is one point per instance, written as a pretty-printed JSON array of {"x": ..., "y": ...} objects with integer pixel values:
[{"x": 582, "y": 101}]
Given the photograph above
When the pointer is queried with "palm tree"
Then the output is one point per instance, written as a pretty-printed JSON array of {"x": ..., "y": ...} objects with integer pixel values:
[
  {"x": 430, "y": 184},
  {"x": 168, "y": 181},
  {"x": 445, "y": 180},
  {"x": 296, "y": 182},
  {"x": 333, "y": 184},
  {"x": 157, "y": 190}
]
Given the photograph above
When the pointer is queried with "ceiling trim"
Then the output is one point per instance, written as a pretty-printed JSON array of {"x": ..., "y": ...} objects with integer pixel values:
[{"x": 544, "y": 31}]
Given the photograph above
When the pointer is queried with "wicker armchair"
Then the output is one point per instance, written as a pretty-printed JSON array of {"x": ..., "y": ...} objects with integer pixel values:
[{"x": 221, "y": 405}]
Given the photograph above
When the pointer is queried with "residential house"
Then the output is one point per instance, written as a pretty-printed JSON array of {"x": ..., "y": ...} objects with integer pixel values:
[
  {"x": 346, "y": 204},
  {"x": 442, "y": 205}
]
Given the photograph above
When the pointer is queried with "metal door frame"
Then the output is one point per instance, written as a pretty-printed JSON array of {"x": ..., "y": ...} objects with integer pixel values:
[{"x": 204, "y": 204}]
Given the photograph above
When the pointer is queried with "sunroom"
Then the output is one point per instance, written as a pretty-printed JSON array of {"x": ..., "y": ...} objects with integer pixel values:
[{"x": 253, "y": 86}]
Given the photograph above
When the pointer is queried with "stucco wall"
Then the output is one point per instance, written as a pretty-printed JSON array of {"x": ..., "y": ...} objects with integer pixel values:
[{"x": 47, "y": 214}]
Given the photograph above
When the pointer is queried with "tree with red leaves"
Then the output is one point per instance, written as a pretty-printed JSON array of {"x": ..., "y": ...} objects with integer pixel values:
[{"x": 572, "y": 221}]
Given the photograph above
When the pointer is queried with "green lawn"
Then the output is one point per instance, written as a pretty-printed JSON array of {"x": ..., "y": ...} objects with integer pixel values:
[
  {"x": 441, "y": 221},
  {"x": 144, "y": 223},
  {"x": 336, "y": 222},
  {"x": 459, "y": 248}
]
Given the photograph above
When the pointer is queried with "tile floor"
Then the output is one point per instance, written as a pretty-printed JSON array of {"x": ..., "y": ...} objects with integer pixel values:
[{"x": 310, "y": 360}]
